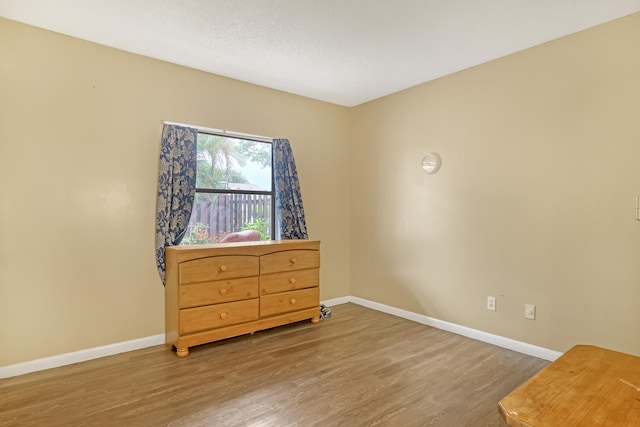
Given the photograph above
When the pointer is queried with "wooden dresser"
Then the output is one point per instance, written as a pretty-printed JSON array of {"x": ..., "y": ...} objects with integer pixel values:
[
  {"x": 219, "y": 291},
  {"x": 587, "y": 386}
]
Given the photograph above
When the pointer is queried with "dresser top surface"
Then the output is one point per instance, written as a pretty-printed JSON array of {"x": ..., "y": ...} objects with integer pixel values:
[{"x": 186, "y": 253}]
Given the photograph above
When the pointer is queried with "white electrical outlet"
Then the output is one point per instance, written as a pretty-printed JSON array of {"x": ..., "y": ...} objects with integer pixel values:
[
  {"x": 491, "y": 303},
  {"x": 530, "y": 311}
]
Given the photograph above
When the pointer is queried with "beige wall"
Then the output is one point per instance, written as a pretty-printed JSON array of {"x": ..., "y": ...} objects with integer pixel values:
[
  {"x": 534, "y": 202},
  {"x": 80, "y": 130}
]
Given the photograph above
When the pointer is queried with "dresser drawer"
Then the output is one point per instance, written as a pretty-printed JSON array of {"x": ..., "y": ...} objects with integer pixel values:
[
  {"x": 288, "y": 261},
  {"x": 289, "y": 281},
  {"x": 197, "y": 294},
  {"x": 218, "y": 315},
  {"x": 218, "y": 268},
  {"x": 289, "y": 301}
]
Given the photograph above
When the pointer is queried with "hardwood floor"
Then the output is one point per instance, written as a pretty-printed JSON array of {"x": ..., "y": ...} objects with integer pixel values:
[{"x": 358, "y": 368}]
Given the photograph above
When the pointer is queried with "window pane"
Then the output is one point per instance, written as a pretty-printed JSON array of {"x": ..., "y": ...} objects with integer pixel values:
[
  {"x": 233, "y": 164},
  {"x": 215, "y": 215},
  {"x": 243, "y": 166}
]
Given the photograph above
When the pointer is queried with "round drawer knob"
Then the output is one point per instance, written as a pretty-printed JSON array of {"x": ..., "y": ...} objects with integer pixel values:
[
  {"x": 223, "y": 268},
  {"x": 293, "y": 260},
  {"x": 223, "y": 291},
  {"x": 292, "y": 280},
  {"x": 293, "y": 301},
  {"x": 223, "y": 315}
]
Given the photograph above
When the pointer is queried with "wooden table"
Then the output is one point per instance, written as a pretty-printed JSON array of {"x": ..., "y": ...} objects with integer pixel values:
[{"x": 586, "y": 386}]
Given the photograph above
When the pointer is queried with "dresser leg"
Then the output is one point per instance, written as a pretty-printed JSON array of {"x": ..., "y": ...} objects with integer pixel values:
[
  {"x": 315, "y": 319},
  {"x": 182, "y": 352}
]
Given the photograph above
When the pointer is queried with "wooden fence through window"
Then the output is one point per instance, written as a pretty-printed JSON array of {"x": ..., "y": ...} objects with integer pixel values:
[{"x": 221, "y": 214}]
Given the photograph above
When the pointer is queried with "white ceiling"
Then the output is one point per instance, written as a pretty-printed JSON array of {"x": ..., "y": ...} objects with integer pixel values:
[{"x": 342, "y": 51}]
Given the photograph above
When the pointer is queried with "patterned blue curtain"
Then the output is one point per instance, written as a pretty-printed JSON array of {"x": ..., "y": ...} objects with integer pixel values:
[
  {"x": 176, "y": 187},
  {"x": 289, "y": 211}
]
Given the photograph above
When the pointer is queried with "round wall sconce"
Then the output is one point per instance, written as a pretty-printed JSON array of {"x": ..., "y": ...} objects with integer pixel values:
[{"x": 431, "y": 163}]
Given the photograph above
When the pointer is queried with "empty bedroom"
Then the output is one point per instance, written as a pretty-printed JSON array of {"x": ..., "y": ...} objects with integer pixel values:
[{"x": 336, "y": 213}]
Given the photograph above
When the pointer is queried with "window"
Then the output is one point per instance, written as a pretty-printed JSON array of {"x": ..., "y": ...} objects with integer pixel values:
[{"x": 234, "y": 189}]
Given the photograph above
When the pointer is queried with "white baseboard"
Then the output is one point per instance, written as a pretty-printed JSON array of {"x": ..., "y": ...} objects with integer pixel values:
[
  {"x": 79, "y": 356},
  {"x": 520, "y": 347},
  {"x": 337, "y": 301},
  {"x": 109, "y": 350}
]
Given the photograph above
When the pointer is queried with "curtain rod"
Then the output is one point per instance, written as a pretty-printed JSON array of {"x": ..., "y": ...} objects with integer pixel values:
[{"x": 222, "y": 132}]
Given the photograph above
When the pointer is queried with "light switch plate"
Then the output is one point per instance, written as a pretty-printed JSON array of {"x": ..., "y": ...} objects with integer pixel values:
[{"x": 530, "y": 311}]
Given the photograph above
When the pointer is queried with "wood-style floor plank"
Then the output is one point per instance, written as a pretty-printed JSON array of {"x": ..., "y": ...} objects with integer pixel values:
[{"x": 358, "y": 368}]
